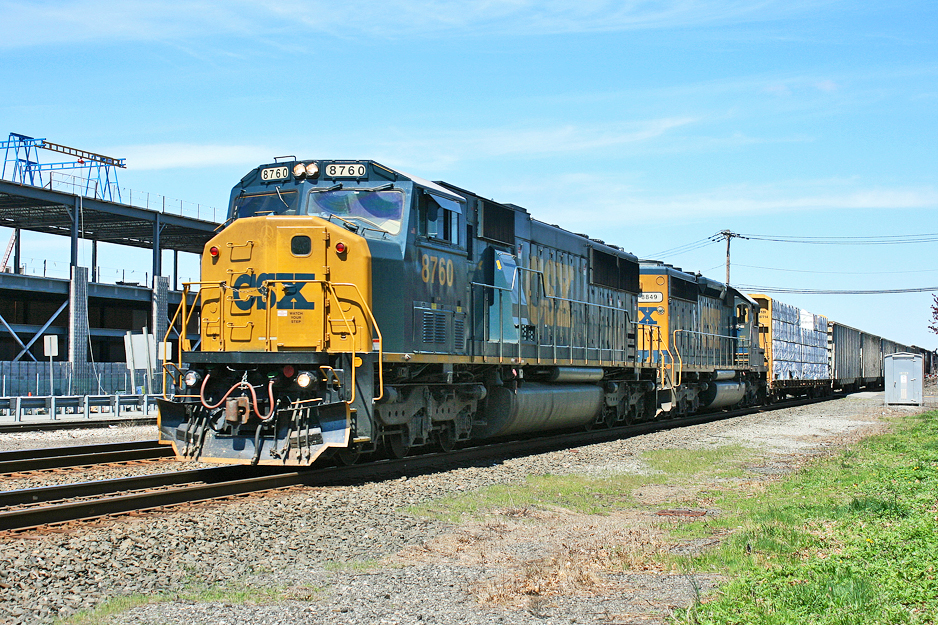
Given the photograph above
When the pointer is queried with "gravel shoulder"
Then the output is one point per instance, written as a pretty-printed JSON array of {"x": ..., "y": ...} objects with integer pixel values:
[{"x": 354, "y": 555}]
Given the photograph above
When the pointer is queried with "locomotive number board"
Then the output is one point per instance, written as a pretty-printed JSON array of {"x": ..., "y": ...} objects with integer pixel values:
[
  {"x": 345, "y": 170},
  {"x": 275, "y": 173}
]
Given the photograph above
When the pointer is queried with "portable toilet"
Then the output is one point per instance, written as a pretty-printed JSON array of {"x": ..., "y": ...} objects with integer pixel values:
[{"x": 904, "y": 375}]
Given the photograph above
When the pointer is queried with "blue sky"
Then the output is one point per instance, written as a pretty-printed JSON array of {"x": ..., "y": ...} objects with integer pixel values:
[{"x": 651, "y": 125}]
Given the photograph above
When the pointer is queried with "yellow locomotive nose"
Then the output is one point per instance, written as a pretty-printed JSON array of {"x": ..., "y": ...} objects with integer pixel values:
[{"x": 286, "y": 283}]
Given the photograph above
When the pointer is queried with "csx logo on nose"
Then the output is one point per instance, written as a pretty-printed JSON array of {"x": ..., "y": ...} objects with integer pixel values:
[
  {"x": 646, "y": 313},
  {"x": 292, "y": 298}
]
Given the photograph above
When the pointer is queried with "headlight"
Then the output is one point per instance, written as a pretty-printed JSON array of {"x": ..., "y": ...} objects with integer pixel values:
[
  {"x": 192, "y": 379},
  {"x": 299, "y": 170},
  {"x": 304, "y": 379},
  {"x": 312, "y": 170}
]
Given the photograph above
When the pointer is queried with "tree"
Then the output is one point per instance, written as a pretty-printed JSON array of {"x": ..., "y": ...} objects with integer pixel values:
[{"x": 934, "y": 315}]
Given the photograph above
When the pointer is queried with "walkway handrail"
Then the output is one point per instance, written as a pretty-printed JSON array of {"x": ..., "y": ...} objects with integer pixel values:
[{"x": 515, "y": 283}]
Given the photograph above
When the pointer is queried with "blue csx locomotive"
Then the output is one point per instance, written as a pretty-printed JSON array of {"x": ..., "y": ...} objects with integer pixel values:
[{"x": 347, "y": 308}]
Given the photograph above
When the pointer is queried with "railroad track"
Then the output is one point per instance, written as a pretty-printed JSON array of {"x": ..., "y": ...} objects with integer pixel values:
[
  {"x": 74, "y": 424},
  {"x": 37, "y": 507},
  {"x": 23, "y": 460}
]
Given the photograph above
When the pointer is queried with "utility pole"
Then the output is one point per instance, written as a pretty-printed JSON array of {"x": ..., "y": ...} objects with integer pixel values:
[{"x": 729, "y": 236}]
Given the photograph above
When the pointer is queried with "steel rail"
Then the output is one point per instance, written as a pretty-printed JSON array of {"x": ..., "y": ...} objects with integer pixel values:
[
  {"x": 61, "y": 457},
  {"x": 73, "y": 424},
  {"x": 114, "y": 504},
  {"x": 99, "y": 488}
]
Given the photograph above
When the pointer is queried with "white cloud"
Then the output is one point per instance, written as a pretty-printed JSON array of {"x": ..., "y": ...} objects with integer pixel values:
[
  {"x": 606, "y": 199},
  {"x": 443, "y": 149},
  {"x": 45, "y": 22},
  {"x": 411, "y": 149}
]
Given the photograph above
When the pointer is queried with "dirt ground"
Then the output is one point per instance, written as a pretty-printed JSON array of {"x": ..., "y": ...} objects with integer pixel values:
[{"x": 543, "y": 557}]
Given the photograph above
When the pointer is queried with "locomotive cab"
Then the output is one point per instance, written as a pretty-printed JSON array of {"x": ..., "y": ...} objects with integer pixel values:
[{"x": 287, "y": 365}]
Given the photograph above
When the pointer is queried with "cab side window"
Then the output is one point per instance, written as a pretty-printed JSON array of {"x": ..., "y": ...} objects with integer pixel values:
[{"x": 437, "y": 222}]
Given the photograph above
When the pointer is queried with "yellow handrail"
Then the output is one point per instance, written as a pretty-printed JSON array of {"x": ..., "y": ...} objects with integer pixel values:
[
  {"x": 331, "y": 287},
  {"x": 184, "y": 343}
]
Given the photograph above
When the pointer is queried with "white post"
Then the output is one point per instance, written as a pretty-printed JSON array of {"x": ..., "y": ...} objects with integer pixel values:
[{"x": 51, "y": 347}]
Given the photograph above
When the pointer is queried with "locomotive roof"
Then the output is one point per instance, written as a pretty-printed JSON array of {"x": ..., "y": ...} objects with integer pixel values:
[
  {"x": 611, "y": 248},
  {"x": 428, "y": 185},
  {"x": 658, "y": 267},
  {"x": 431, "y": 186},
  {"x": 707, "y": 286}
]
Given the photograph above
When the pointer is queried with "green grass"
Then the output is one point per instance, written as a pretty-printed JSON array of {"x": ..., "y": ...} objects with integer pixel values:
[
  {"x": 723, "y": 462},
  {"x": 215, "y": 594},
  {"x": 851, "y": 539},
  {"x": 589, "y": 495}
]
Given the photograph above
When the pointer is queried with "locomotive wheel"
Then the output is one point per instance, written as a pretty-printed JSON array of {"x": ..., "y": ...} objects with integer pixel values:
[
  {"x": 396, "y": 446},
  {"x": 446, "y": 437},
  {"x": 347, "y": 456}
]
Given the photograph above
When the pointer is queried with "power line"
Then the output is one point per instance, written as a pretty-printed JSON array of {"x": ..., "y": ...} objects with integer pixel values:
[
  {"x": 897, "y": 239},
  {"x": 681, "y": 249},
  {"x": 775, "y": 289},
  {"x": 835, "y": 273}
]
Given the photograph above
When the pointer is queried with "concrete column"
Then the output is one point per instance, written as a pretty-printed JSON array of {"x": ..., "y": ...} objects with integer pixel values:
[
  {"x": 78, "y": 332},
  {"x": 17, "y": 263},
  {"x": 94, "y": 261},
  {"x": 157, "y": 252},
  {"x": 76, "y": 211},
  {"x": 159, "y": 322}
]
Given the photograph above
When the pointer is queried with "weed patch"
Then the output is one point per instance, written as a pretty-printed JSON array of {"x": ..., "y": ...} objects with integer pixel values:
[
  {"x": 724, "y": 462},
  {"x": 192, "y": 594},
  {"x": 590, "y": 495}
]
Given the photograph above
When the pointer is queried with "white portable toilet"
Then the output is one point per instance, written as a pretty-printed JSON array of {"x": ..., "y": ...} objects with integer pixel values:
[{"x": 905, "y": 379}]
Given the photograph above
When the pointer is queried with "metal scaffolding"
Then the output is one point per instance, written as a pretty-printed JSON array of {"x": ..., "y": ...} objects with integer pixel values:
[{"x": 21, "y": 157}]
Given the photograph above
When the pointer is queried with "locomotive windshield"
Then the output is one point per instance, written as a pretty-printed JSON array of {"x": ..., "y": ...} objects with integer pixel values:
[
  {"x": 369, "y": 208},
  {"x": 274, "y": 202}
]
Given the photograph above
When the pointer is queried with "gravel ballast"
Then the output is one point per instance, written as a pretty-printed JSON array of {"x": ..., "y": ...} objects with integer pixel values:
[{"x": 352, "y": 554}]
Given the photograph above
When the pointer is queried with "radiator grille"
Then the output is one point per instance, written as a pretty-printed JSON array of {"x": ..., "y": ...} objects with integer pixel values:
[
  {"x": 434, "y": 327},
  {"x": 459, "y": 334}
]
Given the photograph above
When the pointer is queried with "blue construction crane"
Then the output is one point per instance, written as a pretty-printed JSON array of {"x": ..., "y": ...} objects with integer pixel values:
[{"x": 21, "y": 153}]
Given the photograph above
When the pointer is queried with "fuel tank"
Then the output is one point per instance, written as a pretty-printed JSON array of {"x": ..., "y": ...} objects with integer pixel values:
[
  {"x": 535, "y": 407},
  {"x": 723, "y": 394}
]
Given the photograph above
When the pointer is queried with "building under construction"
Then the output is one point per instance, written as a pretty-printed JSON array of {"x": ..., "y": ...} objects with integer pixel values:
[{"x": 90, "y": 318}]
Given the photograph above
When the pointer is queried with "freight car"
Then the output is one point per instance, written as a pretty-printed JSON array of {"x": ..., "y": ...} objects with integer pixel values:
[
  {"x": 857, "y": 357},
  {"x": 808, "y": 355},
  {"x": 347, "y": 308},
  {"x": 796, "y": 349}
]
